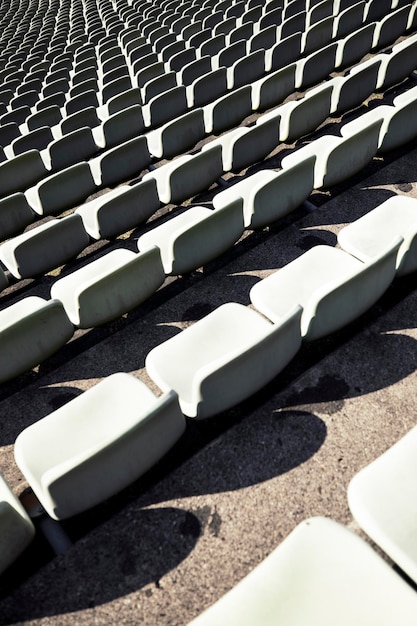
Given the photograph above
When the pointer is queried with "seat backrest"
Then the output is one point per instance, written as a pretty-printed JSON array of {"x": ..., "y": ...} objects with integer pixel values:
[
  {"x": 158, "y": 85},
  {"x": 355, "y": 87},
  {"x": 45, "y": 247},
  {"x": 391, "y": 27},
  {"x": 207, "y": 88},
  {"x": 316, "y": 66},
  {"x": 79, "y": 145},
  {"x": 107, "y": 217},
  {"x": 85, "y": 118},
  {"x": 178, "y": 135},
  {"x": 348, "y": 19},
  {"x": 201, "y": 242},
  {"x": 62, "y": 190},
  {"x": 124, "y": 161},
  {"x": 165, "y": 107},
  {"x": 355, "y": 46},
  {"x": 31, "y": 330},
  {"x": 317, "y": 35},
  {"x": 21, "y": 172},
  {"x": 36, "y": 139},
  {"x": 46, "y": 117},
  {"x": 267, "y": 196},
  {"x": 274, "y": 350},
  {"x": 228, "y": 110},
  {"x": 122, "y": 126},
  {"x": 244, "y": 71},
  {"x": 15, "y": 215},
  {"x": 335, "y": 306},
  {"x": 398, "y": 64},
  {"x": 264, "y": 39}
]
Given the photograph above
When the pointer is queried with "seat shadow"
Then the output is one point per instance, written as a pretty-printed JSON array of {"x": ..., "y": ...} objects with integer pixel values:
[
  {"x": 132, "y": 550},
  {"x": 374, "y": 362},
  {"x": 268, "y": 443}
]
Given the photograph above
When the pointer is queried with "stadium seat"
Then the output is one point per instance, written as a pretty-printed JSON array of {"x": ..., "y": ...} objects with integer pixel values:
[
  {"x": 41, "y": 249},
  {"x": 367, "y": 236},
  {"x": 62, "y": 190},
  {"x": 109, "y": 286},
  {"x": 119, "y": 210},
  {"x": 187, "y": 175},
  {"x": 267, "y": 195},
  {"x": 32, "y": 329},
  {"x": 195, "y": 237},
  {"x": 223, "y": 358},
  {"x": 297, "y": 584},
  {"x": 333, "y": 287},
  {"x": 65, "y": 455},
  {"x": 17, "y": 529},
  {"x": 381, "y": 499}
]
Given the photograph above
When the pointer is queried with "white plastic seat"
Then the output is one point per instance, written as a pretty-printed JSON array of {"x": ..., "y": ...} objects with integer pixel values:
[
  {"x": 367, "y": 236},
  {"x": 120, "y": 163},
  {"x": 321, "y": 574},
  {"x": 299, "y": 117},
  {"x": 355, "y": 46},
  {"x": 351, "y": 90},
  {"x": 399, "y": 126},
  {"x": 398, "y": 64},
  {"x": 187, "y": 175},
  {"x": 119, "y": 210},
  {"x": 45, "y": 247},
  {"x": 195, "y": 237},
  {"x": 228, "y": 110},
  {"x": 338, "y": 158},
  {"x": 66, "y": 455},
  {"x": 165, "y": 107},
  {"x": 60, "y": 191},
  {"x": 285, "y": 51},
  {"x": 333, "y": 287},
  {"x": 273, "y": 88},
  {"x": 178, "y": 135},
  {"x": 267, "y": 196},
  {"x": 15, "y": 215},
  {"x": 316, "y": 66},
  {"x": 223, "y": 358},
  {"x": 381, "y": 498},
  {"x": 109, "y": 286},
  {"x": 207, "y": 88},
  {"x": 245, "y": 146},
  {"x": 16, "y": 528},
  {"x": 348, "y": 19},
  {"x": 21, "y": 172},
  {"x": 30, "y": 331},
  {"x": 390, "y": 27}
]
